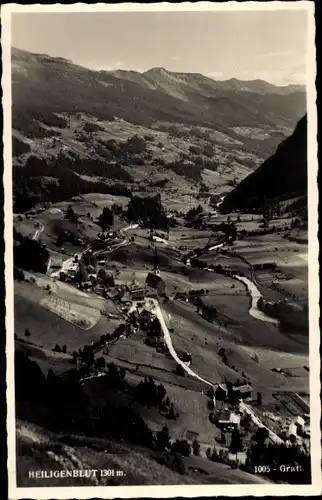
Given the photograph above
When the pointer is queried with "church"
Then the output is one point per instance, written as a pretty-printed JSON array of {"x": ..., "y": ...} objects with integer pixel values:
[{"x": 154, "y": 283}]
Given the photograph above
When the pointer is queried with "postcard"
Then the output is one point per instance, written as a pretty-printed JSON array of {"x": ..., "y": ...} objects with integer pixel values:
[{"x": 162, "y": 294}]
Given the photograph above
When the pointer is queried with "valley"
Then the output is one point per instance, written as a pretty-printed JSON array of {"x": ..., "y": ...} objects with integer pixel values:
[{"x": 160, "y": 275}]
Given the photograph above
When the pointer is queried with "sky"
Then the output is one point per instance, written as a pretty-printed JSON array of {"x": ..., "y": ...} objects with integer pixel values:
[{"x": 268, "y": 45}]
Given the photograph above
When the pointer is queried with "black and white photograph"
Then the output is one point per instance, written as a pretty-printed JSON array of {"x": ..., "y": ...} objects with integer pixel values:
[{"x": 161, "y": 249}]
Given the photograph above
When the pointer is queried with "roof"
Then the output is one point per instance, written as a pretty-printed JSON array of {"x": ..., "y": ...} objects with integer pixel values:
[
  {"x": 153, "y": 280},
  {"x": 223, "y": 387},
  {"x": 299, "y": 420},
  {"x": 292, "y": 430},
  {"x": 243, "y": 388},
  {"x": 228, "y": 417}
]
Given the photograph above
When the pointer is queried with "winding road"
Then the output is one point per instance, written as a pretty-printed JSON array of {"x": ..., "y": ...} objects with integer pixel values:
[
  {"x": 153, "y": 306},
  {"x": 38, "y": 231}
]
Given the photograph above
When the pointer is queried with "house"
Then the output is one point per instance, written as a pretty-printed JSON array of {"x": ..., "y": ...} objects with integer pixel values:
[
  {"x": 137, "y": 293},
  {"x": 191, "y": 435},
  {"x": 292, "y": 430},
  {"x": 299, "y": 422},
  {"x": 243, "y": 391},
  {"x": 156, "y": 283},
  {"x": 227, "y": 419},
  {"x": 221, "y": 392}
]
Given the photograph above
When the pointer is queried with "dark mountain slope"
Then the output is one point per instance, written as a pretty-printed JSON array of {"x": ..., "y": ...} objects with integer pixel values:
[{"x": 283, "y": 174}]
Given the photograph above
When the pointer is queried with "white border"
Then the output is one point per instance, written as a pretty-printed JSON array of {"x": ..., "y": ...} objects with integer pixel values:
[{"x": 314, "y": 341}]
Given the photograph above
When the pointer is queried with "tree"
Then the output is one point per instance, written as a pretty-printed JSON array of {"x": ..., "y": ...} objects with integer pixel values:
[
  {"x": 209, "y": 312},
  {"x": 208, "y": 453},
  {"x": 64, "y": 349},
  {"x": 261, "y": 435},
  {"x": 259, "y": 398},
  {"x": 70, "y": 212},
  {"x": 163, "y": 439},
  {"x": 106, "y": 219},
  {"x": 27, "y": 332},
  {"x": 88, "y": 355},
  {"x": 115, "y": 376},
  {"x": 155, "y": 329},
  {"x": 196, "y": 447},
  {"x": 100, "y": 362},
  {"x": 236, "y": 444},
  {"x": 182, "y": 447},
  {"x": 214, "y": 455},
  {"x": 193, "y": 212},
  {"x": 82, "y": 274},
  {"x": 180, "y": 371}
]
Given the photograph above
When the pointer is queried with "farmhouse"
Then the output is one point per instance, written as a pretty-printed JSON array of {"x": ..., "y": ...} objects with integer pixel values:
[
  {"x": 243, "y": 392},
  {"x": 155, "y": 282},
  {"x": 227, "y": 419},
  {"x": 299, "y": 422},
  {"x": 221, "y": 392},
  {"x": 292, "y": 430},
  {"x": 137, "y": 293}
]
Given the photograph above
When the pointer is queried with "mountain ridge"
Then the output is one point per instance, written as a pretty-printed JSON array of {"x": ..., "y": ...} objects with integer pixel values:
[
  {"x": 42, "y": 84},
  {"x": 282, "y": 174}
]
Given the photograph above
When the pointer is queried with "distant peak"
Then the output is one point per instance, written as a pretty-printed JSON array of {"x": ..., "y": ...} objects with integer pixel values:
[{"x": 157, "y": 70}]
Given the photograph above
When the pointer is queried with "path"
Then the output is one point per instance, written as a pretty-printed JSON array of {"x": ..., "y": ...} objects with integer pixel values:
[
  {"x": 38, "y": 231},
  {"x": 167, "y": 337}
]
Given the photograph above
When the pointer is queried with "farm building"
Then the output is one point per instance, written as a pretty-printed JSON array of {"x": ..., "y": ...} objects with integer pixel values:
[
  {"x": 292, "y": 430},
  {"x": 227, "y": 419},
  {"x": 221, "y": 392},
  {"x": 299, "y": 422},
  {"x": 137, "y": 293},
  {"x": 243, "y": 392},
  {"x": 155, "y": 282}
]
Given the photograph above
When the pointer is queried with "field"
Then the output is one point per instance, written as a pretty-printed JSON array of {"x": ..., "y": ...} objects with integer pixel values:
[{"x": 47, "y": 328}]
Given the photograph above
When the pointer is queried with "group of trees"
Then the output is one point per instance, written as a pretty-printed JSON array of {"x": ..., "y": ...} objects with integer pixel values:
[
  {"x": 189, "y": 171},
  {"x": 149, "y": 393},
  {"x": 208, "y": 311},
  {"x": 106, "y": 218},
  {"x": 104, "y": 278},
  {"x": 279, "y": 456},
  {"x": 62, "y": 182},
  {"x": 29, "y": 254},
  {"x": 193, "y": 213},
  {"x": 181, "y": 447},
  {"x": 149, "y": 211}
]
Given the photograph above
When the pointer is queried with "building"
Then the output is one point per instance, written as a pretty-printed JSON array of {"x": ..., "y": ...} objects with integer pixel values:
[
  {"x": 137, "y": 293},
  {"x": 299, "y": 422},
  {"x": 227, "y": 420},
  {"x": 156, "y": 283},
  {"x": 221, "y": 392},
  {"x": 243, "y": 392},
  {"x": 292, "y": 430}
]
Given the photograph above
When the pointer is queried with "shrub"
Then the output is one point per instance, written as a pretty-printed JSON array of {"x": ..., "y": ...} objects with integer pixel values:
[{"x": 173, "y": 461}]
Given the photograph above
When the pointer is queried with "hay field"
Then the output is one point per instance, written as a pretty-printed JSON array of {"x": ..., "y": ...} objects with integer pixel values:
[
  {"x": 47, "y": 328},
  {"x": 82, "y": 316}
]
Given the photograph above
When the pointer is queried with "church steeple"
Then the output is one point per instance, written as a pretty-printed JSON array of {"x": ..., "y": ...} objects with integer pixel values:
[{"x": 155, "y": 260}]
